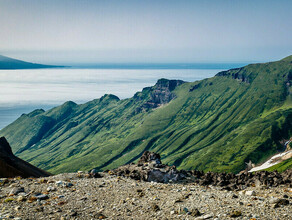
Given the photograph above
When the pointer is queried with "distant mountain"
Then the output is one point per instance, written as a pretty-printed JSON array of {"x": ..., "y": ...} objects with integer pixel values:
[
  {"x": 10, "y": 63},
  {"x": 215, "y": 124},
  {"x": 12, "y": 166}
]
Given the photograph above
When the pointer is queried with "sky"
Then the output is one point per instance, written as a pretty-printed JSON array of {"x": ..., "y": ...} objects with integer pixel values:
[{"x": 152, "y": 31}]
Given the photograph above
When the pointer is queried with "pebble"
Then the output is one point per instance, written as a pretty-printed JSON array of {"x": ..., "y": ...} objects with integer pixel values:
[
  {"x": 208, "y": 216},
  {"x": 17, "y": 208},
  {"x": 59, "y": 183},
  {"x": 42, "y": 197},
  {"x": 51, "y": 189},
  {"x": 235, "y": 214},
  {"x": 21, "y": 198},
  {"x": 250, "y": 193},
  {"x": 16, "y": 190}
]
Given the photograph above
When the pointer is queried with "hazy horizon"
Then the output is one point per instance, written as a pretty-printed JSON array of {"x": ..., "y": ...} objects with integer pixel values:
[{"x": 110, "y": 31}]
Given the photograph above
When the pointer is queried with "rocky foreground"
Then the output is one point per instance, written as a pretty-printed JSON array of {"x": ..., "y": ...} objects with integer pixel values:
[
  {"x": 76, "y": 196},
  {"x": 148, "y": 190}
]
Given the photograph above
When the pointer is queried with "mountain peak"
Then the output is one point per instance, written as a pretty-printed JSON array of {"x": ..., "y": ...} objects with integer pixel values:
[{"x": 109, "y": 97}]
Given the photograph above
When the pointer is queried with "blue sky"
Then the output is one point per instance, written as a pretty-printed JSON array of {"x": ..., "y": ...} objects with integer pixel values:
[{"x": 145, "y": 31}]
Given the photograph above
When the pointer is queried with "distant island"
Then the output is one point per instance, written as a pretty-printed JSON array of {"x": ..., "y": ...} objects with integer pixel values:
[{"x": 10, "y": 63}]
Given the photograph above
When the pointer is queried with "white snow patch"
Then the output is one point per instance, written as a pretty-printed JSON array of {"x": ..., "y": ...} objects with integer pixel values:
[{"x": 271, "y": 162}]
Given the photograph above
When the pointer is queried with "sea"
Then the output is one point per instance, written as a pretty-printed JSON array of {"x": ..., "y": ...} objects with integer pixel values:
[{"x": 22, "y": 91}]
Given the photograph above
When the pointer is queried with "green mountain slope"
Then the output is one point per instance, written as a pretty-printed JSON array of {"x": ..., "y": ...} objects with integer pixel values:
[
  {"x": 280, "y": 167},
  {"x": 214, "y": 124},
  {"x": 10, "y": 63}
]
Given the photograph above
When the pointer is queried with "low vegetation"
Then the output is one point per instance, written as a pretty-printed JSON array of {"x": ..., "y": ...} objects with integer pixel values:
[{"x": 215, "y": 124}]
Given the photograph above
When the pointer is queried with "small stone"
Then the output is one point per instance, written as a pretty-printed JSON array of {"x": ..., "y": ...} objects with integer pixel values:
[
  {"x": 51, "y": 189},
  {"x": 208, "y": 216},
  {"x": 16, "y": 190},
  {"x": 21, "y": 198},
  {"x": 10, "y": 199},
  {"x": 185, "y": 210},
  {"x": 178, "y": 200},
  {"x": 43, "y": 180},
  {"x": 155, "y": 207},
  {"x": 62, "y": 203},
  {"x": 241, "y": 192},
  {"x": 195, "y": 213},
  {"x": 172, "y": 212},
  {"x": 69, "y": 185},
  {"x": 17, "y": 208},
  {"x": 84, "y": 198},
  {"x": 235, "y": 214},
  {"x": 250, "y": 193},
  {"x": 39, "y": 209},
  {"x": 59, "y": 183},
  {"x": 277, "y": 202},
  {"x": 99, "y": 215},
  {"x": 42, "y": 197},
  {"x": 74, "y": 213},
  {"x": 32, "y": 199}
]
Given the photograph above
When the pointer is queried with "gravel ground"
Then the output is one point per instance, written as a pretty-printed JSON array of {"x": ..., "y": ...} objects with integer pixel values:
[{"x": 74, "y": 196}]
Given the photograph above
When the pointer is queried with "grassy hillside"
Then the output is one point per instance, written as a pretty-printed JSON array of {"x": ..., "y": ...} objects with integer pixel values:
[
  {"x": 10, "y": 63},
  {"x": 280, "y": 167},
  {"x": 214, "y": 124}
]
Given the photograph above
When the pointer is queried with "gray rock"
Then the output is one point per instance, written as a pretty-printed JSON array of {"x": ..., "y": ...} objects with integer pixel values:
[
  {"x": 250, "y": 193},
  {"x": 42, "y": 197},
  {"x": 278, "y": 202},
  {"x": 16, "y": 190}
]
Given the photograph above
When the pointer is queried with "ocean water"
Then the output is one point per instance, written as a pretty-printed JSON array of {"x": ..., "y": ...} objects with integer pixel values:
[{"x": 22, "y": 91}]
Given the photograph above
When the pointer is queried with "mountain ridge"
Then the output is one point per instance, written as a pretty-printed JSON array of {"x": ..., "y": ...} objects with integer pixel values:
[
  {"x": 215, "y": 124},
  {"x": 11, "y": 63}
]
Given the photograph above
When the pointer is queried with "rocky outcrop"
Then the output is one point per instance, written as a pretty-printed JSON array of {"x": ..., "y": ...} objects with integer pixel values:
[
  {"x": 11, "y": 166},
  {"x": 149, "y": 168},
  {"x": 160, "y": 93},
  {"x": 236, "y": 73},
  {"x": 149, "y": 157}
]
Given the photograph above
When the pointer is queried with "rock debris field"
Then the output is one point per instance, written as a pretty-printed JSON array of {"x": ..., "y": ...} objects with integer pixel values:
[{"x": 77, "y": 196}]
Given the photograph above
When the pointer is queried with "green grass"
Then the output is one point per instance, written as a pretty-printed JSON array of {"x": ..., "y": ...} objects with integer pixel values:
[
  {"x": 280, "y": 167},
  {"x": 236, "y": 116}
]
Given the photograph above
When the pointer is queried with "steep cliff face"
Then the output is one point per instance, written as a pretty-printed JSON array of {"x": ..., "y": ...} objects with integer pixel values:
[
  {"x": 158, "y": 95},
  {"x": 11, "y": 166}
]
